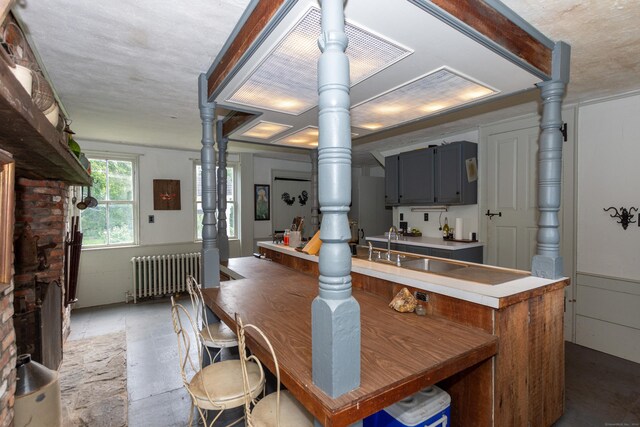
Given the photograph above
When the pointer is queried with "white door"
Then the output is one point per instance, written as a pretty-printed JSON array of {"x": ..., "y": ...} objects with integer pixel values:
[{"x": 512, "y": 193}]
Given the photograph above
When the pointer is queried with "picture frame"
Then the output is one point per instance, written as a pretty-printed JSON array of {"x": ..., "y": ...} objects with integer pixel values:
[
  {"x": 261, "y": 205},
  {"x": 166, "y": 195},
  {"x": 7, "y": 207}
]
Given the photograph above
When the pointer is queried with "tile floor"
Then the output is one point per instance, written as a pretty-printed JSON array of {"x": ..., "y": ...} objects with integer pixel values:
[{"x": 601, "y": 390}]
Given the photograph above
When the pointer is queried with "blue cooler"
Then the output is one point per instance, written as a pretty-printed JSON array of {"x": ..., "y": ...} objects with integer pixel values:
[{"x": 430, "y": 407}]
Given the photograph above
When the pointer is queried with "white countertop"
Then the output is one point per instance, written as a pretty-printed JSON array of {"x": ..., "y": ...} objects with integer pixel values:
[
  {"x": 429, "y": 242},
  {"x": 487, "y": 295}
]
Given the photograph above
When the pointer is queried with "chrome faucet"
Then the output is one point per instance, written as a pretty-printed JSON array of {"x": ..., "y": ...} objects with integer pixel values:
[
  {"x": 370, "y": 250},
  {"x": 393, "y": 229}
]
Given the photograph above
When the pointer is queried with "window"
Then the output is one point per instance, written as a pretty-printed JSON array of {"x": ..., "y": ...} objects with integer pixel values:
[
  {"x": 232, "y": 210},
  {"x": 113, "y": 222}
]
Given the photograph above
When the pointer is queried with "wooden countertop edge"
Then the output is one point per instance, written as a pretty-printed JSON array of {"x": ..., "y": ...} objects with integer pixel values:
[
  {"x": 503, "y": 301},
  {"x": 361, "y": 407}
]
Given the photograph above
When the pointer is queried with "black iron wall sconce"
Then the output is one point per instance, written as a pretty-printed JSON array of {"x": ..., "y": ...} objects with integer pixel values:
[{"x": 625, "y": 216}]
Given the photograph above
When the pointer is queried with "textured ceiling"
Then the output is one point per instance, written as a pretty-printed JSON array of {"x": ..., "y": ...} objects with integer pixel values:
[{"x": 126, "y": 71}]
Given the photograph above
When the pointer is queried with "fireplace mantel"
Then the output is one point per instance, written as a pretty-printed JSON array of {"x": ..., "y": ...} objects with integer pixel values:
[{"x": 38, "y": 149}]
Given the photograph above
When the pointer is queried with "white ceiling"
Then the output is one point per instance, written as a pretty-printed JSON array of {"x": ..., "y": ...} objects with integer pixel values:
[{"x": 127, "y": 71}]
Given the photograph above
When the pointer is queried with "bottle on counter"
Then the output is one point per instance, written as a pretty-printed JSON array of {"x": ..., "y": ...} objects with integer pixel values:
[
  {"x": 287, "y": 234},
  {"x": 445, "y": 228}
]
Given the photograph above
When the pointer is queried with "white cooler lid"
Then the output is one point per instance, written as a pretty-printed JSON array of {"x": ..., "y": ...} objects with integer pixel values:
[{"x": 420, "y": 407}]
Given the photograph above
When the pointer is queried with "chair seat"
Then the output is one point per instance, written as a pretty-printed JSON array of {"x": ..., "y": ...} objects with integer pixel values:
[
  {"x": 218, "y": 335},
  {"x": 292, "y": 413},
  {"x": 223, "y": 381}
]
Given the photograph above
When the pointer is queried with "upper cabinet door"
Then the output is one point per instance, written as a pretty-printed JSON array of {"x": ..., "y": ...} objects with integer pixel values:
[
  {"x": 416, "y": 176},
  {"x": 456, "y": 173},
  {"x": 448, "y": 174},
  {"x": 391, "y": 180}
]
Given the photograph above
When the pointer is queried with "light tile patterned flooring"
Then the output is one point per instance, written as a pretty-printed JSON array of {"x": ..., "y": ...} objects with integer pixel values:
[{"x": 601, "y": 390}]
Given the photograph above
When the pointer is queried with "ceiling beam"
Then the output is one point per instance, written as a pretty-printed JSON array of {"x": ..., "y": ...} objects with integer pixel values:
[
  {"x": 500, "y": 29},
  {"x": 251, "y": 29}
]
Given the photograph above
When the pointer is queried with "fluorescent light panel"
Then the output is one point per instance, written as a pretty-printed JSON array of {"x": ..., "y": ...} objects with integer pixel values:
[
  {"x": 286, "y": 81},
  {"x": 306, "y": 137},
  {"x": 440, "y": 90},
  {"x": 265, "y": 130}
]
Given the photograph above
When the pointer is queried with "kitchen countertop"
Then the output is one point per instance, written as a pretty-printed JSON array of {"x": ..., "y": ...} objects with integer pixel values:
[
  {"x": 429, "y": 242},
  {"x": 495, "y": 296}
]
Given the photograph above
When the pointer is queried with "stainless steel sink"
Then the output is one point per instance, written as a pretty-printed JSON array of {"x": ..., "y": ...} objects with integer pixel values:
[
  {"x": 410, "y": 262},
  {"x": 431, "y": 265}
]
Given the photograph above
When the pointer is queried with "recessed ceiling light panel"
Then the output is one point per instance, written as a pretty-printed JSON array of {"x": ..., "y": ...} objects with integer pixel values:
[
  {"x": 265, "y": 130},
  {"x": 286, "y": 81},
  {"x": 437, "y": 91},
  {"x": 306, "y": 137}
]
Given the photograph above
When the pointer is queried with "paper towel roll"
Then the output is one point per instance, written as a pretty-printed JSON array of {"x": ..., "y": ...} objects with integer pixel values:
[{"x": 458, "y": 230}]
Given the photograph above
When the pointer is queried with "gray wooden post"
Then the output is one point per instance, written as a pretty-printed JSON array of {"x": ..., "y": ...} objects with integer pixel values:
[
  {"x": 547, "y": 262},
  {"x": 335, "y": 314},
  {"x": 210, "y": 259},
  {"x": 315, "y": 217},
  {"x": 223, "y": 238}
]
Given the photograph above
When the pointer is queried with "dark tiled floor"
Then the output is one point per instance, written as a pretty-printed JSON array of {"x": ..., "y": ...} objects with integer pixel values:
[
  {"x": 156, "y": 394},
  {"x": 601, "y": 390}
]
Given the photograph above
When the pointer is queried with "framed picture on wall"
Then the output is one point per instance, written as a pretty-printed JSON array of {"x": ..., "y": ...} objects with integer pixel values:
[
  {"x": 166, "y": 194},
  {"x": 262, "y": 211}
]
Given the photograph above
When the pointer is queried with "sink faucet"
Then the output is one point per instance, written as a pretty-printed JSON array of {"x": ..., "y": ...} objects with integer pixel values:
[{"x": 392, "y": 230}]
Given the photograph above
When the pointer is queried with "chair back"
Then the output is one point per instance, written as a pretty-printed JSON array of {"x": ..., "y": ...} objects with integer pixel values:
[
  {"x": 245, "y": 359},
  {"x": 184, "y": 327},
  {"x": 197, "y": 301}
]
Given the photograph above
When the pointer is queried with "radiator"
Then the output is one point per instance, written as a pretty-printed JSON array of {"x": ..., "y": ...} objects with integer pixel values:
[{"x": 159, "y": 275}]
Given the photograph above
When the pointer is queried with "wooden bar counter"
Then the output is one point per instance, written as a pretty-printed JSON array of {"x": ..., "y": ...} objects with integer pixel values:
[
  {"x": 523, "y": 384},
  {"x": 402, "y": 353}
]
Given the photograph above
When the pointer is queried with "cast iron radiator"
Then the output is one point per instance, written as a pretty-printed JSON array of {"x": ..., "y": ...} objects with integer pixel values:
[{"x": 158, "y": 275}]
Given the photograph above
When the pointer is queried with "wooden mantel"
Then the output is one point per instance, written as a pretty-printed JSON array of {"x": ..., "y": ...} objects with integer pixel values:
[{"x": 38, "y": 149}]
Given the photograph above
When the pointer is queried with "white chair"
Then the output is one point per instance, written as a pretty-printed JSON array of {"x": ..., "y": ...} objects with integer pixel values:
[
  {"x": 218, "y": 386},
  {"x": 214, "y": 334},
  {"x": 279, "y": 409}
]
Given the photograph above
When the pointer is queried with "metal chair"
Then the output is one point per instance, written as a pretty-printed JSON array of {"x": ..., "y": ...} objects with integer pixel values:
[
  {"x": 214, "y": 334},
  {"x": 218, "y": 386},
  {"x": 279, "y": 409}
]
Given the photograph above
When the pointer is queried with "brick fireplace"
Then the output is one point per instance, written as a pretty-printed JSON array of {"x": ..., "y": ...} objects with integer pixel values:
[
  {"x": 40, "y": 218},
  {"x": 32, "y": 312}
]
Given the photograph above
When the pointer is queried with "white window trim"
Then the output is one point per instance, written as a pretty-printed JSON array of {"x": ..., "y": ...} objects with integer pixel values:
[
  {"x": 236, "y": 167},
  {"x": 135, "y": 159}
]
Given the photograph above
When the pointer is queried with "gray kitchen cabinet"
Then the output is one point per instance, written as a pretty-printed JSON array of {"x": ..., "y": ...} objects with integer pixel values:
[
  {"x": 415, "y": 177},
  {"x": 437, "y": 175},
  {"x": 368, "y": 206},
  {"x": 452, "y": 184},
  {"x": 391, "y": 189}
]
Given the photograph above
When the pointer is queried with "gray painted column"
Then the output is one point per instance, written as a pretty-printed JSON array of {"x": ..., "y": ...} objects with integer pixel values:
[
  {"x": 223, "y": 238},
  {"x": 335, "y": 314},
  {"x": 547, "y": 262},
  {"x": 315, "y": 217},
  {"x": 210, "y": 257}
]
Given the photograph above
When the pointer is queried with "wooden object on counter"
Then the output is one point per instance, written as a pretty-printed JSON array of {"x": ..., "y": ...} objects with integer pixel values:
[
  {"x": 313, "y": 246},
  {"x": 527, "y": 374},
  {"x": 278, "y": 299}
]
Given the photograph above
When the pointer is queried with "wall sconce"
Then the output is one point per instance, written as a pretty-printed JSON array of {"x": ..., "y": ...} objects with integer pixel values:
[{"x": 625, "y": 216}]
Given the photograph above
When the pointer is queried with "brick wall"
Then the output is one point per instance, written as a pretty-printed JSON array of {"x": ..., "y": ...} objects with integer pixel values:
[
  {"x": 7, "y": 357},
  {"x": 42, "y": 205}
]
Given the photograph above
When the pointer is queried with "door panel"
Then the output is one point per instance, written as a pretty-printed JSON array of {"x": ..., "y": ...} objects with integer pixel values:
[
  {"x": 506, "y": 238},
  {"x": 512, "y": 186}
]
